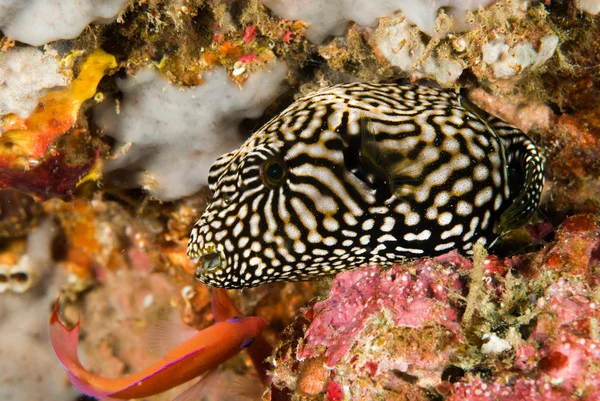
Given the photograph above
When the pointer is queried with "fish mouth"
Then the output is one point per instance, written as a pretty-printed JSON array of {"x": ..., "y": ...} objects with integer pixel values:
[{"x": 211, "y": 259}]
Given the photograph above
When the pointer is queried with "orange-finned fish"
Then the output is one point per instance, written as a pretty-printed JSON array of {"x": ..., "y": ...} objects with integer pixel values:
[
  {"x": 259, "y": 351},
  {"x": 204, "y": 351},
  {"x": 223, "y": 308}
]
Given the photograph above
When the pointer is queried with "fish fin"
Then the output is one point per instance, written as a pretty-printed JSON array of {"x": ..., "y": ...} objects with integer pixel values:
[
  {"x": 223, "y": 307},
  {"x": 520, "y": 150},
  {"x": 165, "y": 335},
  {"x": 401, "y": 179},
  {"x": 389, "y": 165},
  {"x": 260, "y": 349},
  {"x": 64, "y": 342},
  {"x": 215, "y": 385},
  {"x": 199, "y": 390},
  {"x": 525, "y": 204},
  {"x": 465, "y": 102},
  {"x": 372, "y": 160},
  {"x": 192, "y": 354},
  {"x": 368, "y": 143},
  {"x": 532, "y": 160}
]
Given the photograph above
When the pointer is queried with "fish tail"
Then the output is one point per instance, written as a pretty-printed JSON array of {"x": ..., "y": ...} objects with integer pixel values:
[
  {"x": 223, "y": 307},
  {"x": 523, "y": 152},
  {"x": 64, "y": 342}
]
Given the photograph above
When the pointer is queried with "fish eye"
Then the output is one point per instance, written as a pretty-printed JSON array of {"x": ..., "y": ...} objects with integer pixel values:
[
  {"x": 226, "y": 198},
  {"x": 273, "y": 173}
]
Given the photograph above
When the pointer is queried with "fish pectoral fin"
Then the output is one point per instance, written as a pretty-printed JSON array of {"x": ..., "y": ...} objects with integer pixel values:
[
  {"x": 199, "y": 389},
  {"x": 472, "y": 107},
  {"x": 223, "y": 385},
  {"x": 165, "y": 335},
  {"x": 389, "y": 165},
  {"x": 369, "y": 151},
  {"x": 518, "y": 213},
  {"x": 401, "y": 186}
]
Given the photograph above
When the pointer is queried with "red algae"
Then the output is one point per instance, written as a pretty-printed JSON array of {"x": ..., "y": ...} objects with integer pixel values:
[
  {"x": 582, "y": 234},
  {"x": 334, "y": 392},
  {"x": 51, "y": 177},
  {"x": 395, "y": 333}
]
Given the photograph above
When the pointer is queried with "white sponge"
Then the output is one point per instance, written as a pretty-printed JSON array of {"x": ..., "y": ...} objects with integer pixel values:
[
  {"x": 37, "y": 22},
  {"x": 176, "y": 134},
  {"x": 402, "y": 46},
  {"x": 330, "y": 17},
  {"x": 507, "y": 61},
  {"x": 26, "y": 74},
  {"x": 590, "y": 6}
]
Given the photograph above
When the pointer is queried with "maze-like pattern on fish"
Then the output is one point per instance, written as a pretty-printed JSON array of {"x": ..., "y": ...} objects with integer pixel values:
[{"x": 361, "y": 173}]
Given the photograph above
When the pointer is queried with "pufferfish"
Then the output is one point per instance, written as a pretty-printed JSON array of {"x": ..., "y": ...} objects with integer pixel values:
[{"x": 363, "y": 173}]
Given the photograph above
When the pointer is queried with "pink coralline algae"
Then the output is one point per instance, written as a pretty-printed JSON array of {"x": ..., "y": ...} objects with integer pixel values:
[
  {"x": 411, "y": 301},
  {"x": 501, "y": 329},
  {"x": 381, "y": 327},
  {"x": 558, "y": 361}
]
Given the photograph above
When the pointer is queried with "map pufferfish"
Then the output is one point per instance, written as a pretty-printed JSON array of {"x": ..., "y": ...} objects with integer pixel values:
[{"x": 363, "y": 173}]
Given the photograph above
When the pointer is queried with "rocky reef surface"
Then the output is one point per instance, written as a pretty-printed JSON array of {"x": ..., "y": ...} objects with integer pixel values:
[
  {"x": 112, "y": 112},
  {"x": 449, "y": 328}
]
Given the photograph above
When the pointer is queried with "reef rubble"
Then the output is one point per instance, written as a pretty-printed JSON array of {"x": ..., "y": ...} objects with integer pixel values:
[{"x": 491, "y": 329}]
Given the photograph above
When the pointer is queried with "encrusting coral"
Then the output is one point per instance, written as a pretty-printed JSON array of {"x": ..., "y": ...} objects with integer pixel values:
[{"x": 407, "y": 331}]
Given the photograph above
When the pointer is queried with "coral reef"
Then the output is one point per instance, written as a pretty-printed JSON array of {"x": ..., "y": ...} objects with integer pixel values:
[
  {"x": 19, "y": 213},
  {"x": 330, "y": 18},
  {"x": 401, "y": 44},
  {"x": 491, "y": 51},
  {"x": 108, "y": 130},
  {"x": 24, "y": 324},
  {"x": 26, "y": 160},
  {"x": 590, "y": 6},
  {"x": 493, "y": 329}
]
